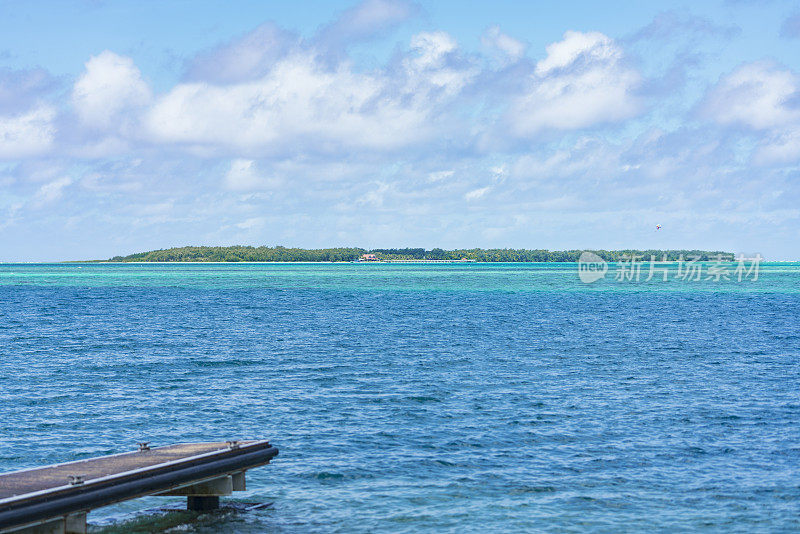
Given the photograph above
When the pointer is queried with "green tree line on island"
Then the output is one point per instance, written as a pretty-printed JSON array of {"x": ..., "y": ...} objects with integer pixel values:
[{"x": 284, "y": 254}]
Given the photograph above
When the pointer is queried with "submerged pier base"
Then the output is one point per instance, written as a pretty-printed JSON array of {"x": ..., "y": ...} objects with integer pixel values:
[{"x": 204, "y": 503}]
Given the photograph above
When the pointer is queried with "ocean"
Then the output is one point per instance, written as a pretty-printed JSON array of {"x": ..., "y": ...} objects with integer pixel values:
[{"x": 419, "y": 397}]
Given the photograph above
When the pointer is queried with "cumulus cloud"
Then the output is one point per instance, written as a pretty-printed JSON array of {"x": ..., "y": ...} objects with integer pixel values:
[
  {"x": 110, "y": 85},
  {"x": 764, "y": 97},
  {"x": 760, "y": 95},
  {"x": 27, "y": 134},
  {"x": 299, "y": 104},
  {"x": 302, "y": 104},
  {"x": 434, "y": 69},
  {"x": 432, "y": 49},
  {"x": 271, "y": 94},
  {"x": 583, "y": 81},
  {"x": 27, "y": 120},
  {"x": 593, "y": 47}
]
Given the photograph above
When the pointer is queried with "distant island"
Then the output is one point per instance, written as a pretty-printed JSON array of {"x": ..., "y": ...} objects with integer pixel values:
[{"x": 284, "y": 254}]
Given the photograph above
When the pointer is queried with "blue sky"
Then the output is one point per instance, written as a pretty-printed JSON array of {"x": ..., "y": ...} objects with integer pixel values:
[{"x": 130, "y": 126}]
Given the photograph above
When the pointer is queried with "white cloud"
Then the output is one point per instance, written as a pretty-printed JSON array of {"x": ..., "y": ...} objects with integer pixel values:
[
  {"x": 765, "y": 97},
  {"x": 498, "y": 172},
  {"x": 432, "y": 70},
  {"x": 582, "y": 82},
  {"x": 584, "y": 156},
  {"x": 475, "y": 194},
  {"x": 755, "y": 95},
  {"x": 51, "y": 191},
  {"x": 23, "y": 89},
  {"x": 248, "y": 57},
  {"x": 512, "y": 48},
  {"x": 593, "y": 46},
  {"x": 110, "y": 85},
  {"x": 431, "y": 48},
  {"x": 365, "y": 20},
  {"x": 439, "y": 176},
  {"x": 252, "y": 223},
  {"x": 375, "y": 197},
  {"x": 782, "y": 147},
  {"x": 243, "y": 175},
  {"x": 28, "y": 134},
  {"x": 298, "y": 105}
]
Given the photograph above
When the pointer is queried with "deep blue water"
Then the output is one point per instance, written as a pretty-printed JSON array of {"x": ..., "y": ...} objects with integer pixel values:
[{"x": 413, "y": 398}]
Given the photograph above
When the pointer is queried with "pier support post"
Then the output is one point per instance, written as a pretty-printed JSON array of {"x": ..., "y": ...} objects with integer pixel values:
[
  {"x": 75, "y": 524},
  {"x": 204, "y": 496},
  {"x": 202, "y": 503},
  {"x": 71, "y": 524}
]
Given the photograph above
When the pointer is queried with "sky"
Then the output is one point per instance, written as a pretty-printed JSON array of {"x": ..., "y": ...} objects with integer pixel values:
[{"x": 133, "y": 126}]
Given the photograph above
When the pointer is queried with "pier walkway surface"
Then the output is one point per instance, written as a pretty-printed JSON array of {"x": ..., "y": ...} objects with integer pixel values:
[{"x": 56, "y": 498}]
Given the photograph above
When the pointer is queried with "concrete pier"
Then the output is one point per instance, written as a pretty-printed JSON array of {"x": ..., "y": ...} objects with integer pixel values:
[{"x": 56, "y": 498}]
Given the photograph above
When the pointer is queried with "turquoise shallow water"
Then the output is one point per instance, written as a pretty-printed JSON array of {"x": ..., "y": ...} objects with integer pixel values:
[{"x": 413, "y": 398}]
